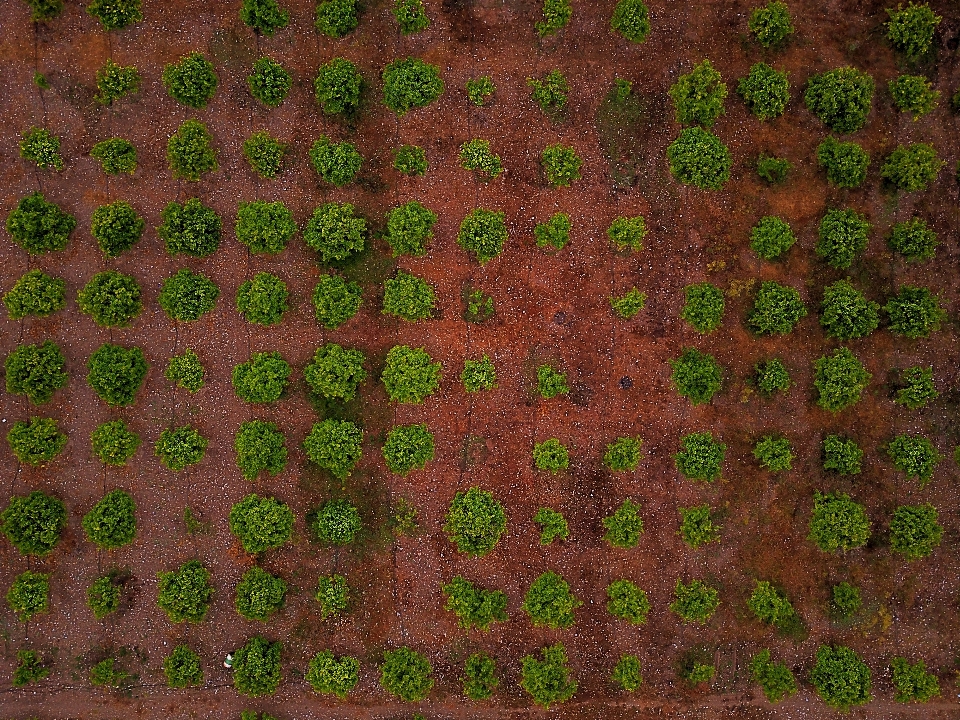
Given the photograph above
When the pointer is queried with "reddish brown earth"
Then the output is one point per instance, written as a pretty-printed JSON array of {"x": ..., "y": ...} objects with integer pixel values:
[{"x": 548, "y": 306}]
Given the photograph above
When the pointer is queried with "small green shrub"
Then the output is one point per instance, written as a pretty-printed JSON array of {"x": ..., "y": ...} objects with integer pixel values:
[
  {"x": 335, "y": 445},
  {"x": 29, "y": 595},
  {"x": 190, "y": 152},
  {"x": 185, "y": 370},
  {"x": 770, "y": 605},
  {"x": 36, "y": 371},
  {"x": 842, "y": 236},
  {"x": 35, "y": 293},
  {"x": 623, "y": 455},
  {"x": 111, "y": 523},
  {"x": 846, "y": 314},
  {"x": 914, "y": 240},
  {"x": 840, "y": 677},
  {"x": 695, "y": 672},
  {"x": 479, "y": 677},
  {"x": 411, "y": 16},
  {"x": 261, "y": 523},
  {"x": 696, "y": 375},
  {"x": 845, "y": 601},
  {"x": 36, "y": 442},
  {"x": 33, "y": 523},
  {"x": 410, "y": 160},
  {"x": 405, "y": 673},
  {"x": 336, "y": 163},
  {"x": 771, "y": 376},
  {"x": 408, "y": 447},
  {"x": 914, "y": 455},
  {"x": 180, "y": 447},
  {"x": 39, "y": 145},
  {"x": 631, "y": 19},
  {"x": 116, "y": 373},
  {"x": 108, "y": 673},
  {"x": 262, "y": 300},
  {"x": 553, "y": 234},
  {"x": 103, "y": 596},
  {"x": 191, "y": 81},
  {"x": 698, "y": 157},
  {"x": 479, "y": 305},
  {"x": 841, "y": 455},
  {"x": 262, "y": 379},
  {"x": 773, "y": 169},
  {"x": 264, "y": 17},
  {"x": 913, "y": 94},
  {"x": 335, "y": 300},
  {"x": 336, "y": 372},
  {"x": 476, "y": 155},
  {"x": 553, "y": 525},
  {"x": 698, "y": 96},
  {"x": 409, "y": 297},
  {"x": 483, "y": 232},
  {"x": 330, "y": 675},
  {"x": 473, "y": 606},
  {"x": 259, "y": 594},
  {"x": 914, "y": 312},
  {"x": 114, "y": 443},
  {"x": 410, "y": 83},
  {"x": 840, "y": 379},
  {"x": 846, "y": 163},
  {"x": 551, "y": 455},
  {"x": 700, "y": 457},
  {"x": 912, "y": 167},
  {"x": 771, "y": 237},
  {"x": 184, "y": 594},
  {"x": 838, "y": 523},
  {"x": 910, "y": 29},
  {"x": 914, "y": 531},
  {"x": 182, "y": 668},
  {"x": 628, "y": 602},
  {"x": 774, "y": 453},
  {"x": 190, "y": 228},
  {"x": 111, "y": 298},
  {"x": 264, "y": 153},
  {"x": 480, "y": 89},
  {"x": 695, "y": 602},
  {"x": 765, "y": 91},
  {"x": 409, "y": 229},
  {"x": 626, "y": 673},
  {"x": 475, "y": 521},
  {"x": 697, "y": 527},
  {"x": 336, "y": 18},
  {"x": 409, "y": 374},
  {"x": 918, "y": 388},
  {"x": 627, "y": 233},
  {"x": 549, "y": 602},
  {"x": 116, "y": 156},
  {"x": 337, "y": 87},
  {"x": 551, "y": 382},
  {"x": 39, "y": 226},
  {"x": 771, "y": 25},
  {"x": 478, "y": 375},
  {"x": 116, "y": 227},
  {"x": 627, "y": 306},
  {"x": 44, "y": 9},
  {"x": 561, "y": 165},
  {"x": 556, "y": 15},
  {"x": 774, "y": 678},
  {"x": 256, "y": 667},
  {"x": 265, "y": 227},
  {"x": 625, "y": 526},
  {"x": 30, "y": 668},
  {"x": 333, "y": 595},
  {"x": 270, "y": 82},
  {"x": 841, "y": 98},
  {"x": 550, "y": 93},
  {"x": 776, "y": 309},
  {"x": 115, "y": 82},
  {"x": 335, "y": 233},
  {"x": 548, "y": 680},
  {"x": 187, "y": 296},
  {"x": 913, "y": 682},
  {"x": 115, "y": 14},
  {"x": 704, "y": 307},
  {"x": 260, "y": 446}
]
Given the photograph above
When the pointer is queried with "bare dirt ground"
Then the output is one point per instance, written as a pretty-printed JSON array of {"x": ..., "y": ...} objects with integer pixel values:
[{"x": 548, "y": 307}]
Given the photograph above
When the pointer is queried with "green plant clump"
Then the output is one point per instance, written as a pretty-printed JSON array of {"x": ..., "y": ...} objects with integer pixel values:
[
  {"x": 256, "y": 667},
  {"x": 473, "y": 606},
  {"x": 185, "y": 370},
  {"x": 480, "y": 89},
  {"x": 704, "y": 307},
  {"x": 840, "y": 379},
  {"x": 335, "y": 233},
  {"x": 36, "y": 371},
  {"x": 184, "y": 594},
  {"x": 914, "y": 455},
  {"x": 773, "y": 169},
  {"x": 912, "y": 682},
  {"x": 549, "y": 602},
  {"x": 182, "y": 668},
  {"x": 631, "y": 19},
  {"x": 910, "y": 29},
  {"x": 765, "y": 91},
  {"x": 551, "y": 455},
  {"x": 770, "y": 605},
  {"x": 187, "y": 296},
  {"x": 623, "y": 455},
  {"x": 776, "y": 309},
  {"x": 39, "y": 226},
  {"x": 264, "y": 17},
  {"x": 845, "y": 601},
  {"x": 336, "y": 372},
  {"x": 33, "y": 523},
  {"x": 114, "y": 443},
  {"x": 408, "y": 296},
  {"x": 337, "y": 163},
  {"x": 261, "y": 523},
  {"x": 475, "y": 521},
  {"x": 103, "y": 595},
  {"x": 561, "y": 165},
  {"x": 914, "y": 240},
  {"x": 111, "y": 523},
  {"x": 116, "y": 227},
  {"x": 42, "y": 147},
  {"x": 406, "y": 674},
  {"x": 191, "y": 81},
  {"x": 270, "y": 82},
  {"x": 696, "y": 375},
  {"x": 330, "y": 675},
  {"x": 30, "y": 668},
  {"x": 629, "y": 305},
  {"x": 337, "y": 18},
  {"x": 29, "y": 595},
  {"x": 410, "y": 375},
  {"x": 838, "y": 523},
  {"x": 262, "y": 379},
  {"x": 115, "y": 14},
  {"x": 700, "y": 457},
  {"x": 478, "y": 375},
  {"x": 476, "y": 155},
  {"x": 627, "y": 233},
  {"x": 115, "y": 82},
  {"x": 35, "y": 293},
  {"x": 841, "y": 455},
  {"x": 845, "y": 163},
  {"x": 483, "y": 232},
  {"x": 265, "y": 227},
  {"x": 841, "y": 678},
  {"x": 771, "y": 376},
  {"x": 260, "y": 446},
  {"x": 698, "y": 96},
  {"x": 335, "y": 445},
  {"x": 695, "y": 602},
  {"x": 846, "y": 314},
  {"x": 36, "y": 442},
  {"x": 190, "y": 228},
  {"x": 771, "y": 25},
  {"x": 553, "y": 234},
  {"x": 410, "y": 160},
  {"x": 335, "y": 300},
  {"x": 625, "y": 526},
  {"x": 190, "y": 152},
  {"x": 914, "y": 531},
  {"x": 479, "y": 677},
  {"x": 771, "y": 237},
  {"x": 111, "y": 298},
  {"x": 333, "y": 594},
  {"x": 697, "y": 527},
  {"x": 337, "y": 87},
  {"x": 553, "y": 526},
  {"x": 774, "y": 453},
  {"x": 116, "y": 156},
  {"x": 626, "y": 673},
  {"x": 918, "y": 388},
  {"x": 410, "y": 83},
  {"x": 548, "y": 680},
  {"x": 259, "y": 594},
  {"x": 264, "y": 153},
  {"x": 698, "y": 157},
  {"x": 914, "y": 312},
  {"x": 180, "y": 447},
  {"x": 913, "y": 94},
  {"x": 841, "y": 98},
  {"x": 262, "y": 300},
  {"x": 42, "y": 10},
  {"x": 774, "y": 678},
  {"x": 408, "y": 447},
  {"x": 410, "y": 228},
  {"x": 116, "y": 373},
  {"x": 628, "y": 602},
  {"x": 550, "y": 93}
]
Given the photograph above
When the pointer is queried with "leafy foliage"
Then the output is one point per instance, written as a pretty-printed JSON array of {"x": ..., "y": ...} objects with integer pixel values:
[
  {"x": 700, "y": 457},
  {"x": 840, "y": 98},
  {"x": 773, "y": 169},
  {"x": 631, "y": 19},
  {"x": 115, "y": 14},
  {"x": 116, "y": 373},
  {"x": 180, "y": 447},
  {"x": 264, "y": 17},
  {"x": 191, "y": 81},
  {"x": 696, "y": 375},
  {"x": 551, "y": 382},
  {"x": 111, "y": 523},
  {"x": 551, "y": 455},
  {"x": 116, "y": 156},
  {"x": 771, "y": 605},
  {"x": 182, "y": 668},
  {"x": 410, "y": 228},
  {"x": 337, "y": 87},
  {"x": 409, "y": 374},
  {"x": 261, "y": 523},
  {"x": 330, "y": 675},
  {"x": 704, "y": 307},
  {"x": 548, "y": 680},
  {"x": 114, "y": 443},
  {"x": 845, "y": 600},
  {"x": 30, "y": 668},
  {"x": 264, "y": 153},
  {"x": 35, "y": 293},
  {"x": 29, "y": 595},
  {"x": 914, "y": 240},
  {"x": 771, "y": 237},
  {"x": 335, "y": 232},
  {"x": 260, "y": 446},
  {"x": 839, "y": 379},
  {"x": 846, "y": 314},
  {"x": 771, "y": 25},
  {"x": 337, "y": 163},
  {"x": 478, "y": 375},
  {"x": 336, "y": 18},
  {"x": 698, "y": 157},
  {"x": 914, "y": 530},
  {"x": 115, "y": 82},
  {"x": 336, "y": 372},
  {"x": 774, "y": 678},
  {"x": 408, "y": 447},
  {"x": 36, "y": 442},
  {"x": 913, "y": 682},
  {"x": 475, "y": 521},
  {"x": 39, "y": 226},
  {"x": 914, "y": 312},
  {"x": 265, "y": 227},
  {"x": 44, "y": 9},
  {"x": 408, "y": 296},
  {"x": 36, "y": 371},
  {"x": 549, "y": 602},
  {"x": 838, "y": 523},
  {"x": 483, "y": 232},
  {"x": 190, "y": 229},
  {"x": 185, "y": 370},
  {"x": 561, "y": 165},
  {"x": 190, "y": 152},
  {"x": 109, "y": 673},
  {"x": 553, "y": 525},
  {"x": 335, "y": 300},
  {"x": 116, "y": 227},
  {"x": 841, "y": 678},
  {"x": 39, "y": 145},
  {"x": 627, "y": 601},
  {"x": 913, "y": 94},
  {"x": 480, "y": 89},
  {"x": 910, "y": 29},
  {"x": 184, "y": 594},
  {"x": 256, "y": 667},
  {"x": 627, "y": 233},
  {"x": 556, "y": 15},
  {"x": 111, "y": 298},
  {"x": 912, "y": 167},
  {"x": 411, "y": 83},
  {"x": 476, "y": 155},
  {"x": 774, "y": 453},
  {"x": 627, "y": 306},
  {"x": 262, "y": 300},
  {"x": 771, "y": 376},
  {"x": 845, "y": 162},
  {"x": 474, "y": 606},
  {"x": 333, "y": 595},
  {"x": 550, "y": 93},
  {"x": 776, "y": 309},
  {"x": 765, "y": 91},
  {"x": 262, "y": 379},
  {"x": 410, "y": 160},
  {"x": 841, "y": 455},
  {"x": 33, "y": 523},
  {"x": 479, "y": 677},
  {"x": 698, "y": 96},
  {"x": 553, "y": 234},
  {"x": 626, "y": 673},
  {"x": 695, "y": 602},
  {"x": 625, "y": 526},
  {"x": 623, "y": 454},
  {"x": 697, "y": 527},
  {"x": 405, "y": 673},
  {"x": 335, "y": 445},
  {"x": 918, "y": 388},
  {"x": 259, "y": 594},
  {"x": 270, "y": 82},
  {"x": 914, "y": 455}
]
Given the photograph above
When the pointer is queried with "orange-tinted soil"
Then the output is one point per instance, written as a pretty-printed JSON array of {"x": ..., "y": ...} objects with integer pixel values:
[{"x": 548, "y": 307}]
